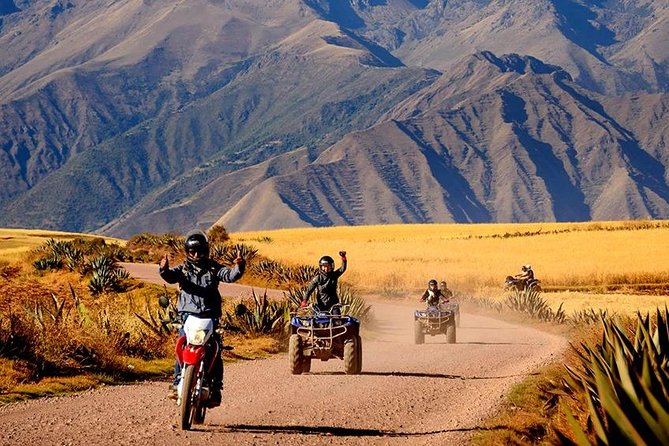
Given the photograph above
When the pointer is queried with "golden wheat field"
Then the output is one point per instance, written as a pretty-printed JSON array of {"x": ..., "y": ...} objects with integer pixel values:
[
  {"x": 568, "y": 258},
  {"x": 620, "y": 266}
]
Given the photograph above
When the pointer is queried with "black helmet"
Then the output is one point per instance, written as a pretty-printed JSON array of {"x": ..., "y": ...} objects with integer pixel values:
[
  {"x": 432, "y": 282},
  {"x": 326, "y": 260},
  {"x": 197, "y": 242}
]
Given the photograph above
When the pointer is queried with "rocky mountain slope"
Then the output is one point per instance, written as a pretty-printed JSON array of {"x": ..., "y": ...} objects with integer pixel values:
[{"x": 141, "y": 114}]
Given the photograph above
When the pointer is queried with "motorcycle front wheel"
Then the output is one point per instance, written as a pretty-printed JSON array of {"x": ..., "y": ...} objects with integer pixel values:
[{"x": 187, "y": 408}]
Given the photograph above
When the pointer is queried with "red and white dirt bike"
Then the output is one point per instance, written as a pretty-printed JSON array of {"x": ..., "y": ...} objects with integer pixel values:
[{"x": 195, "y": 351}]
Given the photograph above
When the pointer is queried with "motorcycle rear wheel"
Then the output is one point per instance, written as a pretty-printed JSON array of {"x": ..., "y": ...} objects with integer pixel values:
[{"x": 188, "y": 411}]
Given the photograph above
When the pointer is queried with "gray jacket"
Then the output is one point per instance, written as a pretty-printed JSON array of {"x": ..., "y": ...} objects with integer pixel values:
[{"x": 199, "y": 286}]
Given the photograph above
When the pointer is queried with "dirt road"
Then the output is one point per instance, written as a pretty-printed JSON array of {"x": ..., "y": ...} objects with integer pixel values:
[{"x": 434, "y": 393}]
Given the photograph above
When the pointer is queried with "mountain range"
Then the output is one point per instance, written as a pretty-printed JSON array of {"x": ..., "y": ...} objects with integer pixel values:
[{"x": 133, "y": 115}]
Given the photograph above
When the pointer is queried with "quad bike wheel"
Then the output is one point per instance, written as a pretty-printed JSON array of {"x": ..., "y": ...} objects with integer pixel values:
[
  {"x": 352, "y": 360},
  {"x": 359, "y": 355},
  {"x": 418, "y": 335},
  {"x": 450, "y": 332},
  {"x": 295, "y": 354},
  {"x": 306, "y": 364}
]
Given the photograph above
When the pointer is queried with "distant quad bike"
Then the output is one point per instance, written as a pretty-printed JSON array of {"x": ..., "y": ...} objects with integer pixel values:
[
  {"x": 434, "y": 320},
  {"x": 511, "y": 283},
  {"x": 323, "y": 335}
]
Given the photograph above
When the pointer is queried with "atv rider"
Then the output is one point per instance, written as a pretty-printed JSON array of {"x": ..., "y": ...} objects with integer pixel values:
[
  {"x": 325, "y": 285},
  {"x": 198, "y": 280},
  {"x": 433, "y": 295},
  {"x": 526, "y": 276},
  {"x": 445, "y": 292}
]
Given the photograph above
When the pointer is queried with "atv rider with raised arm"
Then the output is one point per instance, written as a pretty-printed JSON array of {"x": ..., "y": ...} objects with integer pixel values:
[
  {"x": 198, "y": 280},
  {"x": 325, "y": 285},
  {"x": 433, "y": 295}
]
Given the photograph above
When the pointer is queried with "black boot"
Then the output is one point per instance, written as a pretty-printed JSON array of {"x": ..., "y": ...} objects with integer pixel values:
[{"x": 214, "y": 397}]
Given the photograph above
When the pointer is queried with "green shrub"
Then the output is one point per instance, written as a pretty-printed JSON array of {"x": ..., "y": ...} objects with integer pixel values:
[{"x": 218, "y": 234}]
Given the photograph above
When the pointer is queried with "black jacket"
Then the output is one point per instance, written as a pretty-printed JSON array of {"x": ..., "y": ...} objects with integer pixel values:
[
  {"x": 432, "y": 299},
  {"x": 325, "y": 286}
]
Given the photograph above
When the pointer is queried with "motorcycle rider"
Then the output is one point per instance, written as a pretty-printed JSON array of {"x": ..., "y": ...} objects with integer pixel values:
[
  {"x": 526, "y": 275},
  {"x": 433, "y": 295},
  {"x": 446, "y": 293},
  {"x": 325, "y": 285},
  {"x": 198, "y": 280}
]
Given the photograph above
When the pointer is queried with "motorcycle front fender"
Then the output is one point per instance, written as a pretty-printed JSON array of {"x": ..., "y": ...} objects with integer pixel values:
[{"x": 192, "y": 354}]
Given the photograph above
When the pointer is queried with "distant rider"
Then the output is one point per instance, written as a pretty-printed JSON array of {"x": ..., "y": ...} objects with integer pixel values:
[
  {"x": 325, "y": 285},
  {"x": 198, "y": 280},
  {"x": 446, "y": 293},
  {"x": 432, "y": 296},
  {"x": 526, "y": 275}
]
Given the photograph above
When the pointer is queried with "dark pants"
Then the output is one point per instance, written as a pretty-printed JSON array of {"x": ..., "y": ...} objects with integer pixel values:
[
  {"x": 216, "y": 376},
  {"x": 334, "y": 309}
]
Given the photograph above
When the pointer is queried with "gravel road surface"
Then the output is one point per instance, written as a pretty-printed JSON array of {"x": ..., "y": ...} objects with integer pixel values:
[{"x": 435, "y": 393}]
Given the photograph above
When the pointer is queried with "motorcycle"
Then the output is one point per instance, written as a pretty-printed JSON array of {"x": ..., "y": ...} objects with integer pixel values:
[
  {"x": 520, "y": 285},
  {"x": 196, "y": 351}
]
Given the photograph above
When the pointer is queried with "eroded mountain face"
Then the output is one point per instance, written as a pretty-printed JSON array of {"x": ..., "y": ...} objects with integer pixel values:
[{"x": 132, "y": 115}]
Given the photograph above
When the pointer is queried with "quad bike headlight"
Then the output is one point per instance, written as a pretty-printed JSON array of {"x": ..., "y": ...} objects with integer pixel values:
[{"x": 198, "y": 337}]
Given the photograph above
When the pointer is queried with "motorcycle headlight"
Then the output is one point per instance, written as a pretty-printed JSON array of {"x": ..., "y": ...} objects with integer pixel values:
[{"x": 198, "y": 337}]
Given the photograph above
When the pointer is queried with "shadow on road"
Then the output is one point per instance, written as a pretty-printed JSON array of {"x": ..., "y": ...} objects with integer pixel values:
[
  {"x": 341, "y": 431},
  {"x": 427, "y": 375},
  {"x": 487, "y": 343},
  {"x": 472, "y": 327}
]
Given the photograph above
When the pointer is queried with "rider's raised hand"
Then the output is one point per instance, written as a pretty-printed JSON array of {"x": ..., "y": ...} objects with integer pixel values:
[
  {"x": 164, "y": 262},
  {"x": 342, "y": 254}
]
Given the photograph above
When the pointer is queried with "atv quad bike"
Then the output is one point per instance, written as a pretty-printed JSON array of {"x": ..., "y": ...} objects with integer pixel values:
[
  {"x": 434, "y": 320},
  {"x": 511, "y": 283},
  {"x": 323, "y": 335}
]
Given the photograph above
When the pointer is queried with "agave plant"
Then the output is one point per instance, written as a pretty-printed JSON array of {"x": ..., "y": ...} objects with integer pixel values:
[
  {"x": 586, "y": 317},
  {"x": 105, "y": 275},
  {"x": 529, "y": 301},
  {"x": 626, "y": 385},
  {"x": 74, "y": 258},
  {"x": 356, "y": 304},
  {"x": 263, "y": 315},
  {"x": 240, "y": 250},
  {"x": 48, "y": 263}
]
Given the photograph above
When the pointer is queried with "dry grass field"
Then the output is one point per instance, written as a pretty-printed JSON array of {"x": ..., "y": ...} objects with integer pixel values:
[
  {"x": 15, "y": 242},
  {"x": 622, "y": 266}
]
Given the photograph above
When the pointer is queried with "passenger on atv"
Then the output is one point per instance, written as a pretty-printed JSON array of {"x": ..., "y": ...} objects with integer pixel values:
[
  {"x": 325, "y": 285},
  {"x": 445, "y": 292},
  {"x": 433, "y": 295}
]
